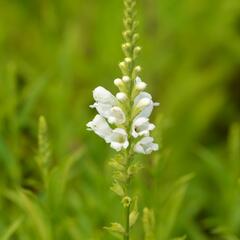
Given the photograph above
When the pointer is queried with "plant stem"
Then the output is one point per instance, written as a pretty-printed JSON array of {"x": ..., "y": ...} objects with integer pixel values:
[
  {"x": 129, "y": 21},
  {"x": 126, "y": 237}
]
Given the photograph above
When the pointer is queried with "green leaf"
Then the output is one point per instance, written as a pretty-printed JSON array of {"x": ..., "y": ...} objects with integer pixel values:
[
  {"x": 172, "y": 206},
  {"x": 117, "y": 188},
  {"x": 180, "y": 238},
  {"x": 35, "y": 213},
  {"x": 148, "y": 220},
  {"x": 58, "y": 179},
  {"x": 116, "y": 229},
  {"x": 12, "y": 229},
  {"x": 134, "y": 213}
]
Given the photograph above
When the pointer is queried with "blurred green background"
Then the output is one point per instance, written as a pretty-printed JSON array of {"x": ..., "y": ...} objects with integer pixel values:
[{"x": 54, "y": 53}]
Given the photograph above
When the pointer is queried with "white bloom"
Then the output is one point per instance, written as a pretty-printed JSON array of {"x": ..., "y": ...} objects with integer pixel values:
[
  {"x": 119, "y": 139},
  {"x": 100, "y": 126},
  {"x": 141, "y": 127},
  {"x": 147, "y": 110},
  {"x": 146, "y": 146},
  {"x": 102, "y": 95}
]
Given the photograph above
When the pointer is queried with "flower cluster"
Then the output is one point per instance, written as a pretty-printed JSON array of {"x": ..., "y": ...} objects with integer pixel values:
[{"x": 123, "y": 120}]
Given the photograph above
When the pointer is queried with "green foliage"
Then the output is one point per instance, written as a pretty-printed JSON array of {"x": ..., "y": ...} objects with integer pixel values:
[
  {"x": 54, "y": 52},
  {"x": 148, "y": 224}
]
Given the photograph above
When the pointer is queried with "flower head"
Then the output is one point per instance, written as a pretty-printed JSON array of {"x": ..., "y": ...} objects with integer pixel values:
[{"x": 125, "y": 115}]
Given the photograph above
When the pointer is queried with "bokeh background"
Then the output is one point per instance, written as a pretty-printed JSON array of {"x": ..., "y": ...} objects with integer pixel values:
[{"x": 53, "y": 53}]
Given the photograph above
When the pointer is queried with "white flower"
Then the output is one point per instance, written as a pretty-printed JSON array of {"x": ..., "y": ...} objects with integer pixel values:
[
  {"x": 141, "y": 127},
  {"x": 119, "y": 139},
  {"x": 100, "y": 126},
  {"x": 146, "y": 146},
  {"x": 147, "y": 110}
]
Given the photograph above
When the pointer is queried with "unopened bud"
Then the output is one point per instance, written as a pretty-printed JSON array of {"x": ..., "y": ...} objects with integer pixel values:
[
  {"x": 128, "y": 60},
  {"x": 135, "y": 37},
  {"x": 137, "y": 69},
  {"x": 124, "y": 68},
  {"x": 118, "y": 82},
  {"x": 126, "y": 46},
  {"x": 140, "y": 86},
  {"x": 136, "y": 51},
  {"x": 127, "y": 35},
  {"x": 144, "y": 102},
  {"x": 126, "y": 79},
  {"x": 121, "y": 96}
]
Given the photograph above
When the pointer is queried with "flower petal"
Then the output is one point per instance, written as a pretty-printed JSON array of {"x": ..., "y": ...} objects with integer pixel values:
[
  {"x": 100, "y": 126},
  {"x": 102, "y": 95}
]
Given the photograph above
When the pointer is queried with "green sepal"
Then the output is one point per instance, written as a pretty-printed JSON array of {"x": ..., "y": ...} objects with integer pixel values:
[{"x": 118, "y": 189}]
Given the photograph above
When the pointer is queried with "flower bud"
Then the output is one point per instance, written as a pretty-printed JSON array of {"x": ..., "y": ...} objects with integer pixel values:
[
  {"x": 124, "y": 68},
  {"x": 126, "y": 47},
  {"x": 118, "y": 82},
  {"x": 136, "y": 71},
  {"x": 144, "y": 102},
  {"x": 121, "y": 96},
  {"x": 136, "y": 51},
  {"x": 126, "y": 79},
  {"x": 135, "y": 37},
  {"x": 140, "y": 86},
  {"x": 128, "y": 60},
  {"x": 127, "y": 35}
]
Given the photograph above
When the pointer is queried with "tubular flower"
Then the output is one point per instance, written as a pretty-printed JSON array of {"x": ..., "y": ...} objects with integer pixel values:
[
  {"x": 119, "y": 139},
  {"x": 146, "y": 110},
  {"x": 146, "y": 146},
  {"x": 100, "y": 126},
  {"x": 141, "y": 127}
]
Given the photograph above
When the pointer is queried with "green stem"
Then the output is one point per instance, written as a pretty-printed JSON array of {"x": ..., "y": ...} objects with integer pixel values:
[
  {"x": 129, "y": 15},
  {"x": 127, "y": 237}
]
